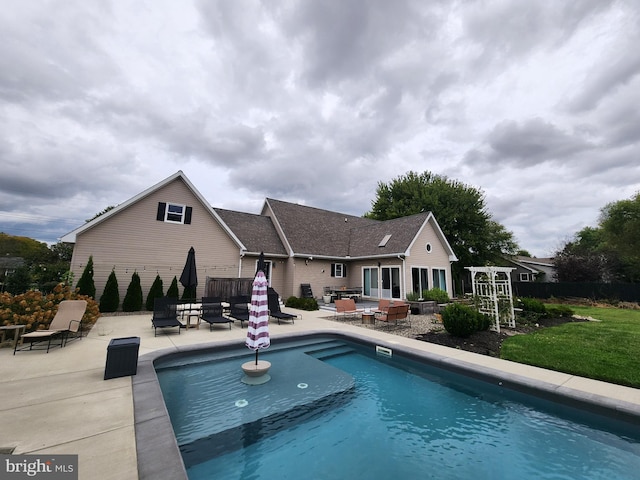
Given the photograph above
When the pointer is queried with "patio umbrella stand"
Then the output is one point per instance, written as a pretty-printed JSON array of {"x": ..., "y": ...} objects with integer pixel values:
[{"x": 256, "y": 371}]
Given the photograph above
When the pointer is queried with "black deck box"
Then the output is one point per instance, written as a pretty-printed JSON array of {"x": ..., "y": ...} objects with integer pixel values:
[{"x": 122, "y": 357}]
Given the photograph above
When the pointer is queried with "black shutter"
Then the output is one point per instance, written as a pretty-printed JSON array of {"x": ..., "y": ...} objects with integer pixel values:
[
  {"x": 187, "y": 215},
  {"x": 162, "y": 207},
  {"x": 344, "y": 270},
  {"x": 333, "y": 269}
]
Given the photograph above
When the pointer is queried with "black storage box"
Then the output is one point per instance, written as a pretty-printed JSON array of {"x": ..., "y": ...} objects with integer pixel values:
[{"x": 122, "y": 357}]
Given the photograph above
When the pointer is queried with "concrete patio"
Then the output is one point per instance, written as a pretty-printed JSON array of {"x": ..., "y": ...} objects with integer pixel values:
[{"x": 58, "y": 402}]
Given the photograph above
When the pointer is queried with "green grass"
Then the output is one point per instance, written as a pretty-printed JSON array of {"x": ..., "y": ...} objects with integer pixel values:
[{"x": 608, "y": 350}]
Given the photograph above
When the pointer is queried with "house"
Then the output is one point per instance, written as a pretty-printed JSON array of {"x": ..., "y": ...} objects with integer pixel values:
[
  {"x": 531, "y": 269},
  {"x": 152, "y": 232}
]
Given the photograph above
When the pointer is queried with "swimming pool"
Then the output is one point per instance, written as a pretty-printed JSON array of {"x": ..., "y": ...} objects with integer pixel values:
[{"x": 339, "y": 411}]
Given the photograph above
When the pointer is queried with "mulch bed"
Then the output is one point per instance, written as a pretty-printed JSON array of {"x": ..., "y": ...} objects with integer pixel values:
[{"x": 489, "y": 342}]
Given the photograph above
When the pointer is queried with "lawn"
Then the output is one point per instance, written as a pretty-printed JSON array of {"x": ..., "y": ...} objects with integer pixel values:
[{"x": 607, "y": 350}]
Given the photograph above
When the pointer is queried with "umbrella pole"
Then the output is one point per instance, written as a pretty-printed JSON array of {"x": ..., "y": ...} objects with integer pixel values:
[{"x": 256, "y": 356}]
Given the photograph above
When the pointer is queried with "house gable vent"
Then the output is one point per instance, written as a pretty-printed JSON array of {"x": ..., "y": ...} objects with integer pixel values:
[{"x": 384, "y": 241}]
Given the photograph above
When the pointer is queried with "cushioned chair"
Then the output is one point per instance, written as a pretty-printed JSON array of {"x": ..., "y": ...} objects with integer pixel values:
[
  {"x": 347, "y": 308},
  {"x": 394, "y": 313},
  {"x": 165, "y": 314},
  {"x": 66, "y": 323}
]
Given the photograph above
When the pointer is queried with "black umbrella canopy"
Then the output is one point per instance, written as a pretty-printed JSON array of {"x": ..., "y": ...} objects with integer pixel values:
[
  {"x": 261, "y": 264},
  {"x": 189, "y": 277}
]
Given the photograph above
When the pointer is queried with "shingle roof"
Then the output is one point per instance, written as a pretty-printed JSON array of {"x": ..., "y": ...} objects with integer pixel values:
[
  {"x": 314, "y": 231},
  {"x": 256, "y": 232}
]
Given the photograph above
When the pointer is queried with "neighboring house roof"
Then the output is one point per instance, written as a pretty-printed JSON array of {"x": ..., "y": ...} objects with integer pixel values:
[
  {"x": 256, "y": 232},
  {"x": 11, "y": 263},
  {"x": 71, "y": 236},
  {"x": 542, "y": 262}
]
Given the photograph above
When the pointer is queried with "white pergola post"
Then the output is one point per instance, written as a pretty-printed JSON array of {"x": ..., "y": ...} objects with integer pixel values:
[{"x": 491, "y": 286}]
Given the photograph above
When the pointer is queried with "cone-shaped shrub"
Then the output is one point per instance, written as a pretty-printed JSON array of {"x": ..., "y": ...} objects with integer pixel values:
[
  {"x": 110, "y": 297},
  {"x": 133, "y": 299},
  {"x": 156, "y": 291},
  {"x": 173, "y": 291},
  {"x": 86, "y": 285}
]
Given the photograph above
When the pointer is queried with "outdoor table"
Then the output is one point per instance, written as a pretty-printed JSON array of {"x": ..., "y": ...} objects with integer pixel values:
[
  {"x": 368, "y": 318},
  {"x": 16, "y": 333}
]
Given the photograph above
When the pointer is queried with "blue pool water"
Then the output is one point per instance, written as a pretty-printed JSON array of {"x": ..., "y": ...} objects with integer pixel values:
[{"x": 335, "y": 410}]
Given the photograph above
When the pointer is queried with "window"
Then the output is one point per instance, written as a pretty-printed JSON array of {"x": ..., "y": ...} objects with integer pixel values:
[
  {"x": 428, "y": 247},
  {"x": 524, "y": 277},
  {"x": 173, "y": 213},
  {"x": 370, "y": 282},
  {"x": 420, "y": 279},
  {"x": 338, "y": 270},
  {"x": 267, "y": 271},
  {"x": 439, "y": 278}
]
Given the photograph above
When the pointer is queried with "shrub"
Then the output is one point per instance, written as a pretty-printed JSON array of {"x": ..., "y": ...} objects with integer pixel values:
[
  {"x": 156, "y": 291},
  {"x": 19, "y": 281},
  {"x": 532, "y": 305},
  {"x": 302, "y": 303},
  {"x": 110, "y": 298},
  {"x": 436, "y": 295},
  {"x": 413, "y": 296},
  {"x": 36, "y": 310},
  {"x": 86, "y": 285},
  {"x": 483, "y": 322},
  {"x": 460, "y": 320},
  {"x": 559, "y": 311},
  {"x": 173, "y": 291},
  {"x": 133, "y": 298}
]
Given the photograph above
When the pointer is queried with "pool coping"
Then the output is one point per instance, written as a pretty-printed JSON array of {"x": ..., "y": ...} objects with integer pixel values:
[{"x": 159, "y": 456}]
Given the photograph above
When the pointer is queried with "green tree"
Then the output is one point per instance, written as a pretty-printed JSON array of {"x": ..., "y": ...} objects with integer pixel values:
[
  {"x": 110, "y": 298},
  {"x": 86, "y": 284},
  {"x": 173, "y": 291},
  {"x": 585, "y": 258},
  {"x": 19, "y": 281},
  {"x": 133, "y": 298},
  {"x": 459, "y": 209},
  {"x": 156, "y": 291},
  {"x": 620, "y": 225}
]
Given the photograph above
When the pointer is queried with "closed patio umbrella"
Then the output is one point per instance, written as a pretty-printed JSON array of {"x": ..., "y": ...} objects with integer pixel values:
[
  {"x": 189, "y": 277},
  {"x": 258, "y": 331}
]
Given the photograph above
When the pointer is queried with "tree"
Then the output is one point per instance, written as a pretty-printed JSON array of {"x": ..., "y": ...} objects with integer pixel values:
[
  {"x": 19, "y": 281},
  {"x": 156, "y": 291},
  {"x": 620, "y": 225},
  {"x": 110, "y": 298},
  {"x": 459, "y": 209},
  {"x": 173, "y": 291},
  {"x": 86, "y": 285},
  {"x": 133, "y": 298}
]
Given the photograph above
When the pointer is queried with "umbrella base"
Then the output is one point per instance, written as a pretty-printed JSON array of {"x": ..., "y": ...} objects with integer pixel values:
[{"x": 256, "y": 374}]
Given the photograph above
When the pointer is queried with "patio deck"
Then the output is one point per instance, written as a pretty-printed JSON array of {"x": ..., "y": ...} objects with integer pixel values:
[{"x": 58, "y": 402}]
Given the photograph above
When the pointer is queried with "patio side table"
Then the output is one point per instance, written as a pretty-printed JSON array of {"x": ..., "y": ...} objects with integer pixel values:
[
  {"x": 16, "y": 333},
  {"x": 122, "y": 357}
]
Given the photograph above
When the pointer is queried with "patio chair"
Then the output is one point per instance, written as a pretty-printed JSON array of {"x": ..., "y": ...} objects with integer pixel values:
[
  {"x": 274, "y": 308},
  {"x": 212, "y": 314},
  {"x": 66, "y": 322},
  {"x": 239, "y": 308},
  {"x": 165, "y": 314},
  {"x": 393, "y": 314},
  {"x": 347, "y": 308}
]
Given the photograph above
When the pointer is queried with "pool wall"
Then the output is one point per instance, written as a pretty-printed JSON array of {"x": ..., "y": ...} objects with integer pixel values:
[{"x": 158, "y": 454}]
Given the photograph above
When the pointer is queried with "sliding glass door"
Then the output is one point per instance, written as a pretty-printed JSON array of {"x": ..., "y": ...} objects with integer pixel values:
[{"x": 370, "y": 282}]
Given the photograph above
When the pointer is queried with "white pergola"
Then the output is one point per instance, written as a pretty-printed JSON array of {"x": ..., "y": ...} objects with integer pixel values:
[{"x": 492, "y": 288}]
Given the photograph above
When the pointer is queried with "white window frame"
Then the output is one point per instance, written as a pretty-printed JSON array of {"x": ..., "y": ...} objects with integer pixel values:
[
  {"x": 167, "y": 213},
  {"x": 340, "y": 267},
  {"x": 525, "y": 277},
  {"x": 433, "y": 279}
]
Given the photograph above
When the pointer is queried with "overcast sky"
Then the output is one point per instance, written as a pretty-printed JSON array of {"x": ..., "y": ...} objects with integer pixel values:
[{"x": 536, "y": 103}]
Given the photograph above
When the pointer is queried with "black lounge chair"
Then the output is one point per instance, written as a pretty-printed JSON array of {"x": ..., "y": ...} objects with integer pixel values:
[
  {"x": 165, "y": 314},
  {"x": 274, "y": 308},
  {"x": 212, "y": 314},
  {"x": 239, "y": 308}
]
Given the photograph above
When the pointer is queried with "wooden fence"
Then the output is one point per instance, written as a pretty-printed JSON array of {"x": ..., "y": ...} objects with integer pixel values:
[{"x": 225, "y": 288}]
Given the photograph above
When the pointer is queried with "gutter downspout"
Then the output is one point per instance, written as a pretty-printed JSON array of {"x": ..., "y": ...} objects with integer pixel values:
[{"x": 403, "y": 284}]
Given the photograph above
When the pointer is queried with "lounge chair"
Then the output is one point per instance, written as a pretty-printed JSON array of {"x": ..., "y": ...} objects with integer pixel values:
[
  {"x": 165, "y": 314},
  {"x": 212, "y": 314},
  {"x": 394, "y": 313},
  {"x": 66, "y": 322},
  {"x": 347, "y": 308},
  {"x": 239, "y": 309},
  {"x": 274, "y": 308}
]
